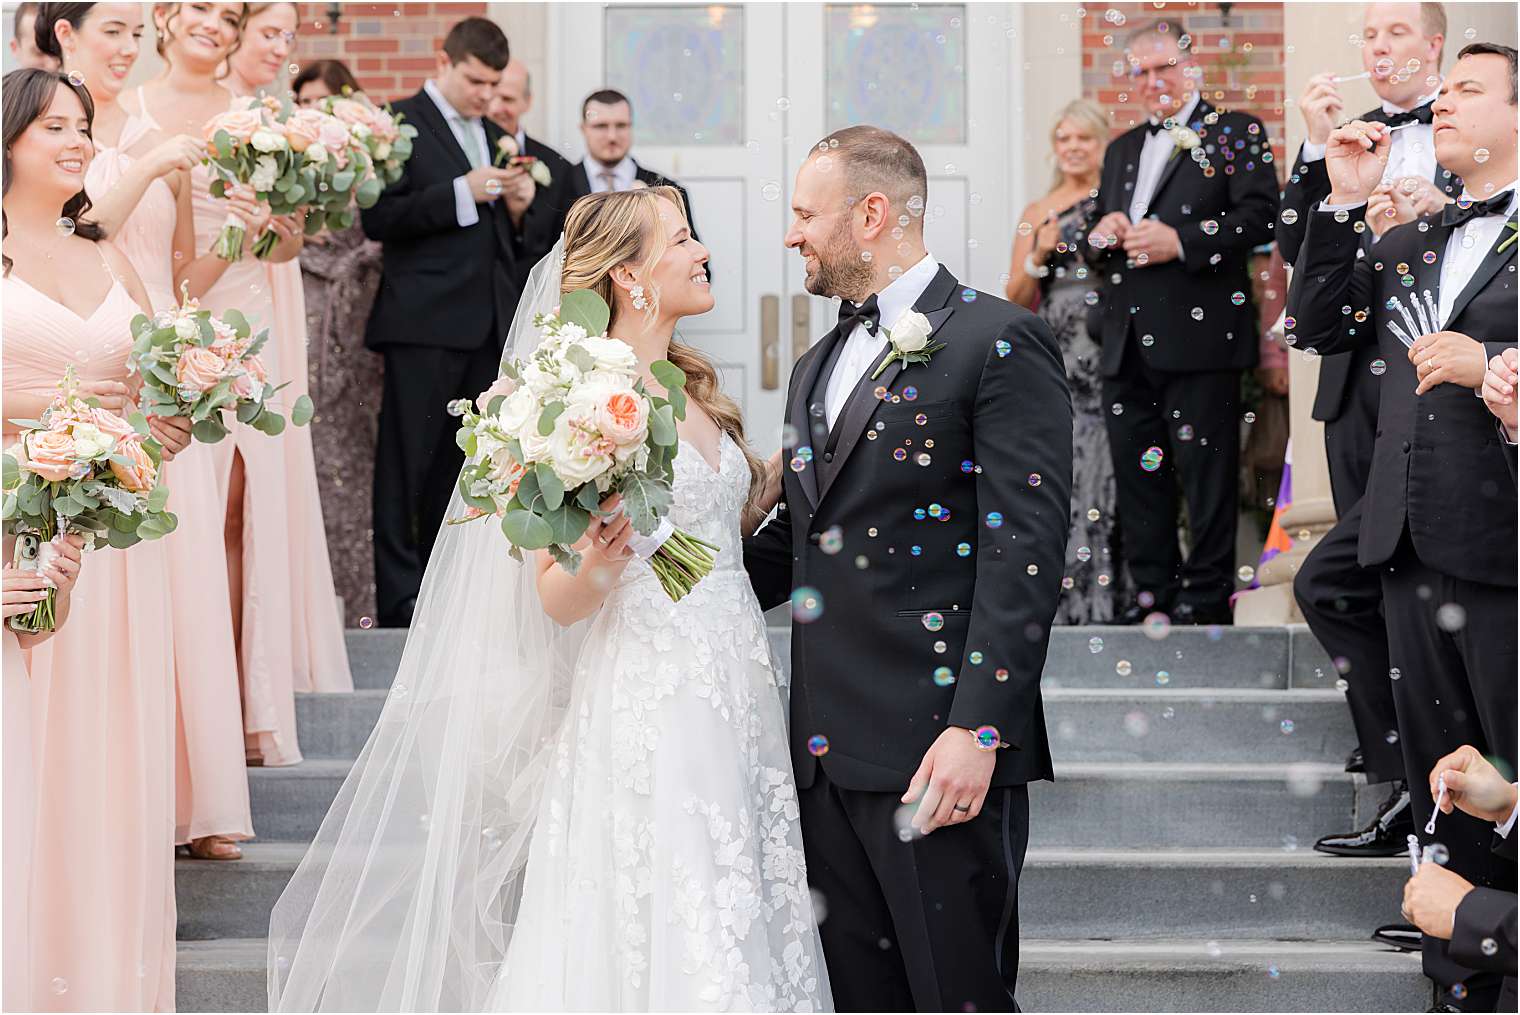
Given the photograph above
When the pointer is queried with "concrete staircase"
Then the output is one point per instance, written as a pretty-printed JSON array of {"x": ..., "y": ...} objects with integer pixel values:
[{"x": 1169, "y": 869}]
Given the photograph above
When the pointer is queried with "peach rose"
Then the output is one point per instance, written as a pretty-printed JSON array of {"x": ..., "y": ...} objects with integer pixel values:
[
  {"x": 351, "y": 111},
  {"x": 503, "y": 385},
  {"x": 108, "y": 422},
  {"x": 50, "y": 454},
  {"x": 138, "y": 477},
  {"x": 239, "y": 123},
  {"x": 383, "y": 124},
  {"x": 255, "y": 366},
  {"x": 304, "y": 129},
  {"x": 623, "y": 418},
  {"x": 334, "y": 138},
  {"x": 199, "y": 368}
]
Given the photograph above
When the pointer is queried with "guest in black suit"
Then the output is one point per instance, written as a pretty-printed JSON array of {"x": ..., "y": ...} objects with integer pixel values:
[
  {"x": 1184, "y": 199},
  {"x": 934, "y": 616},
  {"x": 1340, "y": 599},
  {"x": 544, "y": 220},
  {"x": 1479, "y": 922},
  {"x": 607, "y": 127},
  {"x": 1500, "y": 382},
  {"x": 1438, "y": 517},
  {"x": 447, "y": 295}
]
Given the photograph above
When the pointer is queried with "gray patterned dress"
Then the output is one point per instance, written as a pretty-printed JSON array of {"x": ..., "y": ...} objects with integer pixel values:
[{"x": 1093, "y": 582}]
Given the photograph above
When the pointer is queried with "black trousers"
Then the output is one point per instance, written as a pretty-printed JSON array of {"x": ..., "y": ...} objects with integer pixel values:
[
  {"x": 1454, "y": 644},
  {"x": 1194, "y": 419},
  {"x": 926, "y": 925},
  {"x": 417, "y": 462},
  {"x": 1342, "y": 603},
  {"x": 1350, "y": 436}
]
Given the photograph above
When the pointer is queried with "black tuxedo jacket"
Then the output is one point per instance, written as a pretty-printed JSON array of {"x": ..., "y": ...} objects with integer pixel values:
[
  {"x": 1438, "y": 467},
  {"x": 950, "y": 496},
  {"x": 1308, "y": 185},
  {"x": 1488, "y": 914},
  {"x": 544, "y": 220},
  {"x": 440, "y": 285},
  {"x": 580, "y": 186},
  {"x": 1221, "y": 213}
]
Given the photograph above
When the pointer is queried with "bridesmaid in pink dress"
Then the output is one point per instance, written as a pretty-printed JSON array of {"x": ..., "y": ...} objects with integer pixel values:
[
  {"x": 285, "y": 612},
  {"x": 140, "y": 185},
  {"x": 23, "y": 591},
  {"x": 102, "y": 902}
]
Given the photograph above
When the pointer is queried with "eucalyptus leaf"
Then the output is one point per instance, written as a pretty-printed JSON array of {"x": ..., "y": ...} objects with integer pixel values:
[
  {"x": 527, "y": 530},
  {"x": 568, "y": 523},
  {"x": 662, "y": 426},
  {"x": 668, "y": 374},
  {"x": 645, "y": 500},
  {"x": 302, "y": 411},
  {"x": 159, "y": 498},
  {"x": 209, "y": 430},
  {"x": 546, "y": 419},
  {"x": 550, "y": 485},
  {"x": 580, "y": 359},
  {"x": 587, "y": 309}
]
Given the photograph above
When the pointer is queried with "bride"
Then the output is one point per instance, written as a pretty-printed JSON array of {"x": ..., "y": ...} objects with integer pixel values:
[{"x": 578, "y": 795}]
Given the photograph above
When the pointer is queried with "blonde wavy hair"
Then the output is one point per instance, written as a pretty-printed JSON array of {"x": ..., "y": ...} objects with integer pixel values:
[
  {"x": 603, "y": 231},
  {"x": 1085, "y": 113}
]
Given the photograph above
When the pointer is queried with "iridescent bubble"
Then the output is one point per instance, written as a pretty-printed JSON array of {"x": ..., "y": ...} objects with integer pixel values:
[
  {"x": 1162, "y": 679},
  {"x": 994, "y": 519},
  {"x": 1246, "y": 573},
  {"x": 1123, "y": 667},
  {"x": 831, "y": 540},
  {"x": 987, "y": 738},
  {"x": 1430, "y": 257},
  {"x": 1489, "y": 946},
  {"x": 1157, "y": 626},
  {"x": 1093, "y": 514},
  {"x": 493, "y": 186},
  {"x": 900, "y": 454},
  {"x": 1238, "y": 298},
  {"x": 65, "y": 226},
  {"x": 818, "y": 745},
  {"x": 1210, "y": 227},
  {"x": 944, "y": 676},
  {"x": 1095, "y": 644},
  {"x": 923, "y": 459},
  {"x": 933, "y": 621},
  {"x": 1150, "y": 459},
  {"x": 797, "y": 463},
  {"x": 60, "y": 985},
  {"x": 1286, "y": 726},
  {"x": 1451, "y": 617},
  {"x": 1289, "y": 216},
  {"x": 963, "y": 550},
  {"x": 1084, "y": 554},
  {"x": 1117, "y": 408},
  {"x": 366, "y": 622},
  {"x": 976, "y": 658},
  {"x": 1480, "y": 155},
  {"x": 1249, "y": 417},
  {"x": 968, "y": 295},
  {"x": 1147, "y": 340},
  {"x": 1185, "y": 432},
  {"x": 1439, "y": 854},
  {"x": 910, "y": 393},
  {"x": 807, "y": 604},
  {"x": 1378, "y": 367},
  {"x": 968, "y": 466},
  {"x": 1034, "y": 479},
  {"x": 771, "y": 191},
  {"x": 1003, "y": 347},
  {"x": 1197, "y": 313},
  {"x": 921, "y": 419},
  {"x": 1459, "y": 990},
  {"x": 1032, "y": 570},
  {"x": 1000, "y": 675}
]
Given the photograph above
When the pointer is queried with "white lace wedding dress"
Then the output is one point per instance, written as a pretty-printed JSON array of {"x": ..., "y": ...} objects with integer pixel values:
[{"x": 666, "y": 869}]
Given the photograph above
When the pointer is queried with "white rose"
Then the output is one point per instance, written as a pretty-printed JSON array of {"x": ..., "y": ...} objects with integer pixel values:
[
  {"x": 91, "y": 442},
  {"x": 265, "y": 172},
  {"x": 1185, "y": 137},
  {"x": 266, "y": 141},
  {"x": 910, "y": 333},
  {"x": 383, "y": 150},
  {"x": 316, "y": 154},
  {"x": 537, "y": 379},
  {"x": 507, "y": 146},
  {"x": 517, "y": 411},
  {"x": 539, "y": 171},
  {"x": 359, "y": 131},
  {"x": 610, "y": 353},
  {"x": 535, "y": 448},
  {"x": 186, "y": 328},
  {"x": 571, "y": 454}
]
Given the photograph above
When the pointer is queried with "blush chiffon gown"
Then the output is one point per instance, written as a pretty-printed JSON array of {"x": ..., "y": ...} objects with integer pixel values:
[{"x": 102, "y": 914}]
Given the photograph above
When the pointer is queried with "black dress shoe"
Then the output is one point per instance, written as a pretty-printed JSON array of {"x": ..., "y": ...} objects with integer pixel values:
[
  {"x": 1355, "y": 762},
  {"x": 1386, "y": 836},
  {"x": 1202, "y": 615},
  {"x": 1406, "y": 937}
]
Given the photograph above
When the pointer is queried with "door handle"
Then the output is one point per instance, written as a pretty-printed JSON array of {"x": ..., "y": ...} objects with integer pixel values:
[
  {"x": 801, "y": 331},
  {"x": 770, "y": 342}
]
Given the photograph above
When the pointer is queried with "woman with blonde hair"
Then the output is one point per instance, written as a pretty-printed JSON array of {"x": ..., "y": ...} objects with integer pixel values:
[
  {"x": 1050, "y": 276},
  {"x": 579, "y": 795}
]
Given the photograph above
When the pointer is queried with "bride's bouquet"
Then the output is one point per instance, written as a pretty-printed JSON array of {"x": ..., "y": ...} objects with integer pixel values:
[
  {"x": 83, "y": 469},
  {"x": 197, "y": 365},
  {"x": 567, "y": 428}
]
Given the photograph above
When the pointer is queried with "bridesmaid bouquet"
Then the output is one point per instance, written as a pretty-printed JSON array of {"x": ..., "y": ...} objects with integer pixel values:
[
  {"x": 374, "y": 148},
  {"x": 196, "y": 365},
  {"x": 83, "y": 469},
  {"x": 567, "y": 428},
  {"x": 250, "y": 145}
]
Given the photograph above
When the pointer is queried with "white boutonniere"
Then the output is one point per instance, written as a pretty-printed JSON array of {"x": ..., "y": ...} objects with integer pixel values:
[
  {"x": 506, "y": 149},
  {"x": 1184, "y": 139},
  {"x": 539, "y": 171},
  {"x": 909, "y": 341}
]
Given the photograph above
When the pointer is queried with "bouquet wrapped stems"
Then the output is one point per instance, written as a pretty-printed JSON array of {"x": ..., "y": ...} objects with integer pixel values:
[
  {"x": 229, "y": 242},
  {"x": 681, "y": 562}
]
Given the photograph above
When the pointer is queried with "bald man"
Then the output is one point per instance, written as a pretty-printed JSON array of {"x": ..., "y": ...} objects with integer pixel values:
[{"x": 545, "y": 218}]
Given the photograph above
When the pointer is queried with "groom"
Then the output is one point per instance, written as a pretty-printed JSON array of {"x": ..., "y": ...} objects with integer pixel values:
[{"x": 921, "y": 536}]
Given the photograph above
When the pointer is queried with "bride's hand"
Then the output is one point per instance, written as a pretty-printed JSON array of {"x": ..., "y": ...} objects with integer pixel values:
[
  {"x": 606, "y": 538},
  {"x": 770, "y": 493}
]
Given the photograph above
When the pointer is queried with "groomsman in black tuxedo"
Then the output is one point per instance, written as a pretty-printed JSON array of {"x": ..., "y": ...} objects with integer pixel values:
[
  {"x": 1438, "y": 299},
  {"x": 607, "y": 127},
  {"x": 448, "y": 290},
  {"x": 544, "y": 220},
  {"x": 1340, "y": 599},
  {"x": 923, "y": 527},
  {"x": 1184, "y": 200}
]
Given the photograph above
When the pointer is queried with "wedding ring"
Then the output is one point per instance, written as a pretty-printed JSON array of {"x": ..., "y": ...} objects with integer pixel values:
[{"x": 964, "y": 809}]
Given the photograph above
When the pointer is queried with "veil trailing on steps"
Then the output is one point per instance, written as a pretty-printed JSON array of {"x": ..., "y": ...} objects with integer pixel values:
[{"x": 406, "y": 899}]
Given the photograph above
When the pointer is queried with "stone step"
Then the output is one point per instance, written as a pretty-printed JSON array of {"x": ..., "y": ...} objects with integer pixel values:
[
  {"x": 1179, "y": 975},
  {"x": 1086, "y": 724},
  {"x": 1219, "y": 893},
  {"x": 1194, "y": 804},
  {"x": 1260, "y": 658}
]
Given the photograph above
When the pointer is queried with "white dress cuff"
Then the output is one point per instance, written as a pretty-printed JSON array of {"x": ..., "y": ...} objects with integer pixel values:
[
  {"x": 465, "y": 211},
  {"x": 1327, "y": 206},
  {"x": 1313, "y": 152},
  {"x": 1509, "y": 824}
]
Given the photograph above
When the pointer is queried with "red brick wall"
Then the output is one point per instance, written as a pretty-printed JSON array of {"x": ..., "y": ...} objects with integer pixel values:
[
  {"x": 389, "y": 47},
  {"x": 1242, "y": 61}
]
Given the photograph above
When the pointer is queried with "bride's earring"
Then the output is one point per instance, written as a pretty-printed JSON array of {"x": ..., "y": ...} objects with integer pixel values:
[{"x": 639, "y": 302}]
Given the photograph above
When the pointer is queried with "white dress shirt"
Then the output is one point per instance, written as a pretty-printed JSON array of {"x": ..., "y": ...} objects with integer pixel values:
[
  {"x": 1154, "y": 156},
  {"x": 863, "y": 350},
  {"x": 623, "y": 174},
  {"x": 471, "y": 135},
  {"x": 1508, "y": 825},
  {"x": 1466, "y": 248},
  {"x": 1412, "y": 151}
]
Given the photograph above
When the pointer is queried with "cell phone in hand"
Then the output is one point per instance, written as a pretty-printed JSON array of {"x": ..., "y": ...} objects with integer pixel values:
[{"x": 28, "y": 555}]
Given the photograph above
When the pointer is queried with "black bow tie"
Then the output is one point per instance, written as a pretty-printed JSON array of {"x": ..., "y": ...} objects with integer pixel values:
[
  {"x": 1419, "y": 114},
  {"x": 1153, "y": 126},
  {"x": 1460, "y": 212},
  {"x": 867, "y": 313}
]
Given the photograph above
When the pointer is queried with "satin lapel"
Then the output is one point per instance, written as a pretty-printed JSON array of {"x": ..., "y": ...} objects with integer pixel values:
[
  {"x": 863, "y": 402},
  {"x": 432, "y": 118},
  {"x": 1487, "y": 269},
  {"x": 797, "y": 412},
  {"x": 1177, "y": 158}
]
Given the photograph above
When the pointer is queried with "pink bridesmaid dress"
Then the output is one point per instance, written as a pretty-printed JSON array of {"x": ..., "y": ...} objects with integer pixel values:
[
  {"x": 292, "y": 638},
  {"x": 17, "y": 810},
  {"x": 102, "y": 722},
  {"x": 211, "y": 778}
]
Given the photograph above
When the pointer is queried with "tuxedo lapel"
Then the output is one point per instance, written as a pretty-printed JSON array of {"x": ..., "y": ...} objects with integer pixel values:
[
  {"x": 1487, "y": 269},
  {"x": 1175, "y": 160},
  {"x": 811, "y": 365},
  {"x": 863, "y": 402},
  {"x": 432, "y": 118}
]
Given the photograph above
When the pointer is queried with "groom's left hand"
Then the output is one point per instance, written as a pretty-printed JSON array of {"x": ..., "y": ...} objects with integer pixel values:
[{"x": 952, "y": 781}]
